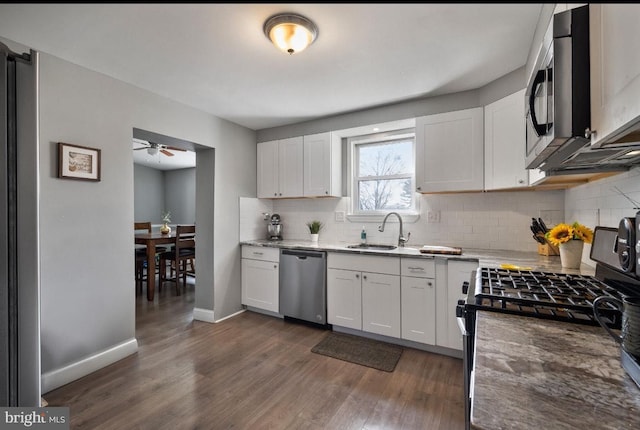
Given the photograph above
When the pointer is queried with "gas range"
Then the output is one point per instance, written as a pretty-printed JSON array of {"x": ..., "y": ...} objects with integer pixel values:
[{"x": 548, "y": 295}]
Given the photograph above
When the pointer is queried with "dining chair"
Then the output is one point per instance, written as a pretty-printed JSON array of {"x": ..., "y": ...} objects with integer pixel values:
[
  {"x": 141, "y": 254},
  {"x": 184, "y": 250}
]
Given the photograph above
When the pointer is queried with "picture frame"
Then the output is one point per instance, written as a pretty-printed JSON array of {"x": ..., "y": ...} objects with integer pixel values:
[{"x": 78, "y": 162}]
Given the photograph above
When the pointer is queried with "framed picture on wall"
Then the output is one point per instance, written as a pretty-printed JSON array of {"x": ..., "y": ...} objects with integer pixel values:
[{"x": 78, "y": 162}]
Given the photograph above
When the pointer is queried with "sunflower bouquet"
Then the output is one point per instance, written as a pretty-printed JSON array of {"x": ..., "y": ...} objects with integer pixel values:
[{"x": 563, "y": 233}]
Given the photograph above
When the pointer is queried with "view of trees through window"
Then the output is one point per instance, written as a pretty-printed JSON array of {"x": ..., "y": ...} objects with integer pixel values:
[{"x": 384, "y": 174}]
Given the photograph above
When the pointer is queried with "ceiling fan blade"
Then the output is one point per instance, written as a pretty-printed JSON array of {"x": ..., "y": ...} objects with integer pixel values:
[
  {"x": 138, "y": 149},
  {"x": 165, "y": 152},
  {"x": 173, "y": 148}
]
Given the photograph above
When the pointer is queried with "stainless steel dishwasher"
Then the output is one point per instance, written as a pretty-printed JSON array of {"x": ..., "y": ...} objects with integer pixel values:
[{"x": 303, "y": 292}]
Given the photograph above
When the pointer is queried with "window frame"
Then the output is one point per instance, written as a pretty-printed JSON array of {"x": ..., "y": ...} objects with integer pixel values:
[{"x": 355, "y": 213}]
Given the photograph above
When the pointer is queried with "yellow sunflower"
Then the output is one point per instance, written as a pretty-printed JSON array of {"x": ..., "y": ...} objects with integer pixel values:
[
  {"x": 561, "y": 233},
  {"x": 582, "y": 232}
]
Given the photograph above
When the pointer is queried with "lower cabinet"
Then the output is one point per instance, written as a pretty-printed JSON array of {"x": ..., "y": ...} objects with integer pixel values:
[
  {"x": 344, "y": 298},
  {"x": 450, "y": 277},
  {"x": 418, "y": 300},
  {"x": 363, "y": 293},
  {"x": 381, "y": 304},
  {"x": 260, "y": 273}
]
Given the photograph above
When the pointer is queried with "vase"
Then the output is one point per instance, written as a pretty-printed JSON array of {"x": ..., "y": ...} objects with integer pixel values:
[
  {"x": 314, "y": 237},
  {"x": 571, "y": 254},
  {"x": 165, "y": 229}
]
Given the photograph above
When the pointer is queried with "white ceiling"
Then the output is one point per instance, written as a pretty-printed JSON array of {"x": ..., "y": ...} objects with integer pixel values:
[{"x": 216, "y": 58}]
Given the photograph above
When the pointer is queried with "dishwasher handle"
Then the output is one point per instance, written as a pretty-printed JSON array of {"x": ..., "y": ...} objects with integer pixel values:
[{"x": 302, "y": 255}]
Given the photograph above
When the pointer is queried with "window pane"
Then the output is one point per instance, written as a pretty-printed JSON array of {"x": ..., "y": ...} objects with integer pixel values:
[
  {"x": 385, "y": 194},
  {"x": 382, "y": 159}
]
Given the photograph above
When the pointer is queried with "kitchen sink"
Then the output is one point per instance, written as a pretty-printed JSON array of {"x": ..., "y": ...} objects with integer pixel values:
[{"x": 372, "y": 246}]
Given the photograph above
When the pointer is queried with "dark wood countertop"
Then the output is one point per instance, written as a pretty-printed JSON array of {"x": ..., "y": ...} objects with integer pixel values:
[{"x": 537, "y": 374}]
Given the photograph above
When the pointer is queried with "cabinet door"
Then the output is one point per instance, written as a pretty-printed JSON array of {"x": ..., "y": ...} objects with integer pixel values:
[
  {"x": 504, "y": 143},
  {"x": 381, "y": 304},
  {"x": 450, "y": 151},
  {"x": 267, "y": 169},
  {"x": 449, "y": 334},
  {"x": 260, "y": 284},
  {"x": 418, "y": 307},
  {"x": 290, "y": 165},
  {"x": 318, "y": 165},
  {"x": 615, "y": 68},
  {"x": 344, "y": 298}
]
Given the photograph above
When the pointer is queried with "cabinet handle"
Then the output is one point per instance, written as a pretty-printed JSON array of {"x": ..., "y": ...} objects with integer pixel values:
[
  {"x": 357, "y": 276},
  {"x": 275, "y": 194},
  {"x": 430, "y": 284},
  {"x": 417, "y": 268},
  {"x": 418, "y": 188},
  {"x": 364, "y": 276},
  {"x": 280, "y": 193},
  {"x": 326, "y": 192},
  {"x": 275, "y": 266},
  {"x": 257, "y": 253},
  {"x": 521, "y": 181}
]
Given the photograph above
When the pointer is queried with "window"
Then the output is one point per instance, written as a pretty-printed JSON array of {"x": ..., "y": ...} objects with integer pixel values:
[{"x": 383, "y": 173}]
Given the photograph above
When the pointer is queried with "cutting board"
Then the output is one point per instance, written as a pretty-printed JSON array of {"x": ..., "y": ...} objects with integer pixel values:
[{"x": 430, "y": 249}]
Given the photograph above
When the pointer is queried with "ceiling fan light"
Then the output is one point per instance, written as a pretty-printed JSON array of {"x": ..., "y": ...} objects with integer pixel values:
[
  {"x": 290, "y": 33},
  {"x": 152, "y": 150}
]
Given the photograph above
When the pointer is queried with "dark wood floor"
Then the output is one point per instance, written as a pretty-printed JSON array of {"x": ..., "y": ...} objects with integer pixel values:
[{"x": 255, "y": 372}]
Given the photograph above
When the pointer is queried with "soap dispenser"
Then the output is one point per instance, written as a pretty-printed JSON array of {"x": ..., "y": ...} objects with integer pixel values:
[{"x": 363, "y": 236}]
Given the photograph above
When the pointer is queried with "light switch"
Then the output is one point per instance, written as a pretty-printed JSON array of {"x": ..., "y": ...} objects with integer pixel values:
[{"x": 339, "y": 216}]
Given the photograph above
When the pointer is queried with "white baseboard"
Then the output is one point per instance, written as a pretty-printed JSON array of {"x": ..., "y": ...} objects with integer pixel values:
[
  {"x": 205, "y": 315},
  {"x": 59, "y": 377},
  {"x": 230, "y": 316}
]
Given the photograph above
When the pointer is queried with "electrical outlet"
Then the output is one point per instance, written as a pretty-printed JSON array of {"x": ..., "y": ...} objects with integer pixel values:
[
  {"x": 433, "y": 216},
  {"x": 339, "y": 216}
]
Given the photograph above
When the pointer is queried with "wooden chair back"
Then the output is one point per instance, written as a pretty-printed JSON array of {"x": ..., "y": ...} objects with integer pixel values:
[
  {"x": 185, "y": 237},
  {"x": 142, "y": 226}
]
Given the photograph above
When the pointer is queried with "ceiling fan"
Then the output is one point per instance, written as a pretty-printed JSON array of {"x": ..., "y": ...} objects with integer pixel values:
[{"x": 153, "y": 148}]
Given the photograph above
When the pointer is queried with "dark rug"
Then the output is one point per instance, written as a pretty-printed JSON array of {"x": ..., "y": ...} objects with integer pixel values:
[{"x": 360, "y": 350}]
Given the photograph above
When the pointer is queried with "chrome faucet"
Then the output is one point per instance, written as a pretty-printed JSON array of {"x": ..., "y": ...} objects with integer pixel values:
[{"x": 401, "y": 239}]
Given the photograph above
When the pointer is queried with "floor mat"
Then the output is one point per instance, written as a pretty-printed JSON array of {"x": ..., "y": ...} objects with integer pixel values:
[{"x": 355, "y": 349}]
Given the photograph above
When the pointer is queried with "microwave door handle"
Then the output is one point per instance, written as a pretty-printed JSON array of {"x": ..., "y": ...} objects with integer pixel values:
[{"x": 540, "y": 129}]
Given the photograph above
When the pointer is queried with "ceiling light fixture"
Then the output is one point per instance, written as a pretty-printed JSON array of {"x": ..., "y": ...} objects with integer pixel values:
[
  {"x": 152, "y": 150},
  {"x": 290, "y": 32}
]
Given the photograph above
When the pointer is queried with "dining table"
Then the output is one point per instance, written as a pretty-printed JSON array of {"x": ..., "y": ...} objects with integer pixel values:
[{"x": 150, "y": 240}]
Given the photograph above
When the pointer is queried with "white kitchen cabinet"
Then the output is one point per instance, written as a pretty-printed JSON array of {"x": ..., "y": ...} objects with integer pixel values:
[
  {"x": 280, "y": 168},
  {"x": 504, "y": 143},
  {"x": 260, "y": 272},
  {"x": 363, "y": 293},
  {"x": 615, "y": 69},
  {"x": 322, "y": 165},
  {"x": 381, "y": 304},
  {"x": 450, "y": 151},
  {"x": 450, "y": 276},
  {"x": 344, "y": 298},
  {"x": 418, "y": 300}
]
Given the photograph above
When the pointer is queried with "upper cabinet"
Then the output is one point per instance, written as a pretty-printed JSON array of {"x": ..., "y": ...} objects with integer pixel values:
[
  {"x": 280, "y": 168},
  {"x": 615, "y": 70},
  {"x": 504, "y": 143},
  {"x": 322, "y": 165},
  {"x": 449, "y": 151},
  {"x": 303, "y": 166}
]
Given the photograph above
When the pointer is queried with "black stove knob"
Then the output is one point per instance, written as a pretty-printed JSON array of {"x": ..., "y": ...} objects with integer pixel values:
[{"x": 465, "y": 288}]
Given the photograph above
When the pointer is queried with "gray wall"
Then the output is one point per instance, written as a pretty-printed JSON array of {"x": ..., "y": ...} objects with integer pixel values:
[
  {"x": 507, "y": 84},
  {"x": 180, "y": 195},
  {"x": 148, "y": 193},
  {"x": 87, "y": 264}
]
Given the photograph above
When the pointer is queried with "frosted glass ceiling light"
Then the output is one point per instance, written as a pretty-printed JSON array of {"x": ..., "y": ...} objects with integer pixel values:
[{"x": 290, "y": 32}]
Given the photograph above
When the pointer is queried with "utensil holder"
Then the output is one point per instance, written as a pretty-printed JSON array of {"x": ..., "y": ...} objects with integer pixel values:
[{"x": 548, "y": 250}]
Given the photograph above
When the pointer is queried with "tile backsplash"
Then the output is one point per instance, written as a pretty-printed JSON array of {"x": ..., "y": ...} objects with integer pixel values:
[{"x": 497, "y": 220}]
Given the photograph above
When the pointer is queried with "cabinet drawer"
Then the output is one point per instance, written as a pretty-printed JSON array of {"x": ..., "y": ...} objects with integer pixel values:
[
  {"x": 364, "y": 263},
  {"x": 261, "y": 253},
  {"x": 418, "y": 267}
]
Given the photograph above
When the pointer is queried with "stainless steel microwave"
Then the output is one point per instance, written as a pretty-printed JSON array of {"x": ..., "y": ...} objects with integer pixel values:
[{"x": 558, "y": 94}]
